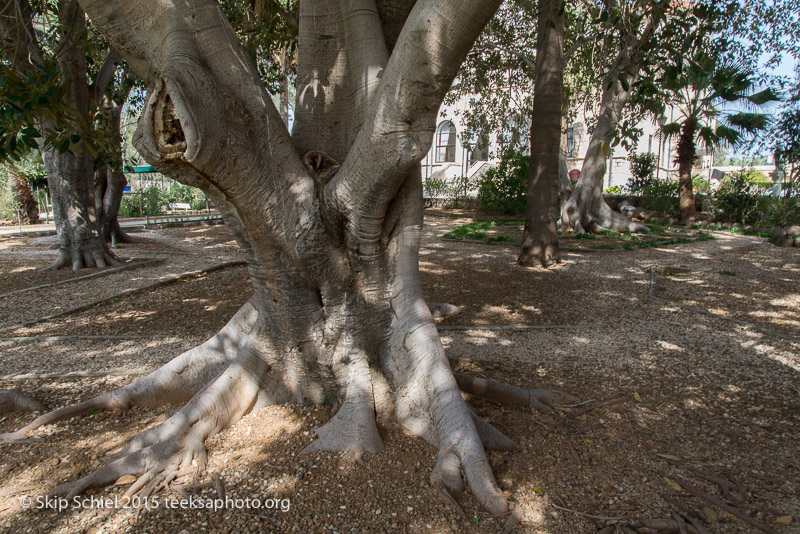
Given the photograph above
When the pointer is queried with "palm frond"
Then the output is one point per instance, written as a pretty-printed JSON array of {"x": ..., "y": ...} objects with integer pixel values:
[
  {"x": 748, "y": 122},
  {"x": 673, "y": 128},
  {"x": 709, "y": 136},
  {"x": 766, "y": 96},
  {"x": 728, "y": 134}
]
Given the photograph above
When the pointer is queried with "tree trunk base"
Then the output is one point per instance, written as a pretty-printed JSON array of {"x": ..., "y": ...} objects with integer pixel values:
[
  {"x": 84, "y": 253},
  {"x": 585, "y": 214},
  {"x": 236, "y": 372}
]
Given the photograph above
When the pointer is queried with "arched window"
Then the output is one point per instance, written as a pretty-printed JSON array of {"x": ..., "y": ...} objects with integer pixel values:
[{"x": 446, "y": 142}]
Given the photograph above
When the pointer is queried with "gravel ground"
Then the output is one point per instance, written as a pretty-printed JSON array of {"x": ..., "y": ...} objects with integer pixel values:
[{"x": 702, "y": 395}]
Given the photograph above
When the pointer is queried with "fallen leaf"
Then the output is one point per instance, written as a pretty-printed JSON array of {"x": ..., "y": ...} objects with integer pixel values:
[
  {"x": 124, "y": 480},
  {"x": 672, "y": 484},
  {"x": 637, "y": 397},
  {"x": 710, "y": 514},
  {"x": 669, "y": 457},
  {"x": 755, "y": 408},
  {"x": 540, "y": 492},
  {"x": 784, "y": 520},
  {"x": 641, "y": 424}
]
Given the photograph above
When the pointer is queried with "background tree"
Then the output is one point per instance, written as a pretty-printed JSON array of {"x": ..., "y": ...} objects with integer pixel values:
[
  {"x": 51, "y": 62},
  {"x": 540, "y": 236},
  {"x": 330, "y": 219},
  {"x": 706, "y": 94},
  {"x": 631, "y": 28},
  {"x": 787, "y": 140}
]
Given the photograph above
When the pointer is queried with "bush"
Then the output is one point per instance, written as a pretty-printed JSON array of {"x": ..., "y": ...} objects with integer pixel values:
[
  {"x": 740, "y": 199},
  {"x": 153, "y": 200},
  {"x": 700, "y": 184},
  {"x": 642, "y": 168},
  {"x": 503, "y": 189},
  {"x": 613, "y": 190}
]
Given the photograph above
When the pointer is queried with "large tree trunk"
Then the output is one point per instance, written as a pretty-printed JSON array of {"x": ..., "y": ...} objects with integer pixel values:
[
  {"x": 686, "y": 155},
  {"x": 70, "y": 180},
  {"x": 540, "y": 237},
  {"x": 330, "y": 220}
]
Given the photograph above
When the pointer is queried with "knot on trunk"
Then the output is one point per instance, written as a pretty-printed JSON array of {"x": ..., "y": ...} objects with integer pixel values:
[
  {"x": 321, "y": 166},
  {"x": 170, "y": 138}
]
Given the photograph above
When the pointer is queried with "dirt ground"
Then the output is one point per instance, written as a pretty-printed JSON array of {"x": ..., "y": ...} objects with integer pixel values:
[{"x": 696, "y": 345}]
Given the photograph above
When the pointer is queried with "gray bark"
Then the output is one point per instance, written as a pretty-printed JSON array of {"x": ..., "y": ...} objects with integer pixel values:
[
  {"x": 586, "y": 211},
  {"x": 20, "y": 188},
  {"x": 540, "y": 237},
  {"x": 330, "y": 220}
]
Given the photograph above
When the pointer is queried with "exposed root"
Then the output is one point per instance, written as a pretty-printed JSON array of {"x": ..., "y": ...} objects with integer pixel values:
[
  {"x": 443, "y": 309},
  {"x": 492, "y": 439},
  {"x": 669, "y": 526},
  {"x": 86, "y": 259},
  {"x": 541, "y": 400},
  {"x": 447, "y": 481},
  {"x": 215, "y": 483},
  {"x": 594, "y": 216},
  {"x": 353, "y": 429},
  {"x": 177, "y": 381},
  {"x": 176, "y": 448},
  {"x": 11, "y": 400},
  {"x": 727, "y": 507},
  {"x": 610, "y": 402}
]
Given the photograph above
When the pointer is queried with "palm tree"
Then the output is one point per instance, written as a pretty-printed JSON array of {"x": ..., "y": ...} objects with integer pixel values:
[{"x": 717, "y": 103}]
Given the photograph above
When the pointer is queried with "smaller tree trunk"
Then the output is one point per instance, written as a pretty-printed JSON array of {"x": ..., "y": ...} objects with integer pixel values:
[
  {"x": 564, "y": 183},
  {"x": 70, "y": 179},
  {"x": 110, "y": 182},
  {"x": 109, "y": 186},
  {"x": 540, "y": 238},
  {"x": 23, "y": 195},
  {"x": 70, "y": 176},
  {"x": 686, "y": 155}
]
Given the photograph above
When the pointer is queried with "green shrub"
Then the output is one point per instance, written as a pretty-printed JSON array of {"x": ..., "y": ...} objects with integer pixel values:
[
  {"x": 153, "y": 200},
  {"x": 738, "y": 198},
  {"x": 435, "y": 187},
  {"x": 503, "y": 189},
  {"x": 642, "y": 167},
  {"x": 656, "y": 194},
  {"x": 614, "y": 190},
  {"x": 700, "y": 184}
]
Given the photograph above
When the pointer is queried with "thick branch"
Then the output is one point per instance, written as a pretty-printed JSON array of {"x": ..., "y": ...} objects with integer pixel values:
[
  {"x": 366, "y": 49},
  {"x": 525, "y": 58},
  {"x": 17, "y": 38},
  {"x": 436, "y": 38},
  {"x": 206, "y": 103},
  {"x": 105, "y": 75}
]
